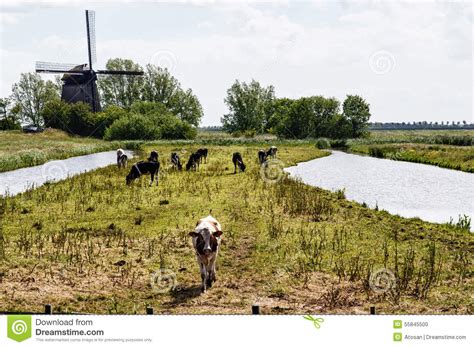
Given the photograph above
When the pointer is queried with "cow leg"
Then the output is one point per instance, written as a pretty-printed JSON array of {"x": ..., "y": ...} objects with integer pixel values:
[
  {"x": 210, "y": 274},
  {"x": 152, "y": 176},
  {"x": 203, "y": 277},
  {"x": 235, "y": 168},
  {"x": 213, "y": 272}
]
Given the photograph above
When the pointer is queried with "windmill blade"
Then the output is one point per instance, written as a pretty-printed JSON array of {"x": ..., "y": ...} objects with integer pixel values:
[
  {"x": 91, "y": 46},
  {"x": 119, "y": 72},
  {"x": 48, "y": 67}
]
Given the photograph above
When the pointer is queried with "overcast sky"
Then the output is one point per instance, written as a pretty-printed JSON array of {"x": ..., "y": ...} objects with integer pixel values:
[{"x": 410, "y": 61}]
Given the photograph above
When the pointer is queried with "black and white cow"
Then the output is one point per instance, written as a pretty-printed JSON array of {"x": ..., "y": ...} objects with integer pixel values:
[
  {"x": 262, "y": 156},
  {"x": 153, "y": 156},
  {"x": 121, "y": 158},
  {"x": 206, "y": 240},
  {"x": 144, "y": 167},
  {"x": 193, "y": 162},
  {"x": 238, "y": 161},
  {"x": 272, "y": 152},
  {"x": 203, "y": 153},
  {"x": 175, "y": 161}
]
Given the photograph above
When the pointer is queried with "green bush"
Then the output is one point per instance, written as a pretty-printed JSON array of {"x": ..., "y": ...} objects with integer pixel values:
[
  {"x": 339, "y": 143},
  {"x": 323, "y": 143},
  {"x": 149, "y": 126},
  {"x": 77, "y": 119},
  {"x": 103, "y": 120},
  {"x": 81, "y": 119},
  {"x": 237, "y": 134},
  {"x": 376, "y": 152},
  {"x": 132, "y": 127},
  {"x": 9, "y": 124},
  {"x": 55, "y": 114},
  {"x": 147, "y": 107},
  {"x": 146, "y": 121},
  {"x": 171, "y": 127},
  {"x": 250, "y": 133}
]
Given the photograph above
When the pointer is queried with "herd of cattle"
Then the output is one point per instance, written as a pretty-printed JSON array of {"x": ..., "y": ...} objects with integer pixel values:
[
  {"x": 152, "y": 165},
  {"x": 206, "y": 236}
]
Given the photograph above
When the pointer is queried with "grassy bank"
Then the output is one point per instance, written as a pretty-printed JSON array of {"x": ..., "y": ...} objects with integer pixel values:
[
  {"x": 451, "y": 149},
  {"x": 433, "y": 137},
  {"x": 90, "y": 244},
  {"x": 450, "y": 157},
  {"x": 19, "y": 150}
]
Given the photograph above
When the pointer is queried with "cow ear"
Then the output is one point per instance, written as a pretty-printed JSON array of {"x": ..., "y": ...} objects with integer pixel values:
[
  {"x": 217, "y": 233},
  {"x": 193, "y": 234}
]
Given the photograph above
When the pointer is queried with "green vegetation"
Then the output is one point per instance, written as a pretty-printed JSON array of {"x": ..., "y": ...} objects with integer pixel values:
[
  {"x": 19, "y": 150},
  {"x": 433, "y": 137},
  {"x": 30, "y": 94},
  {"x": 323, "y": 143},
  {"x": 156, "y": 101},
  {"x": 450, "y": 149},
  {"x": 91, "y": 244},
  {"x": 9, "y": 120},
  {"x": 143, "y": 121},
  {"x": 157, "y": 86},
  {"x": 253, "y": 109}
]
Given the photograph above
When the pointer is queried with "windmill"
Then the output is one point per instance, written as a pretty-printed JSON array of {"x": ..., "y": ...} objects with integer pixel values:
[{"x": 79, "y": 80}]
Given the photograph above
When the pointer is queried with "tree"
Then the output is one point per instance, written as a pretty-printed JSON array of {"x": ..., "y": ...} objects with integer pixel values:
[
  {"x": 55, "y": 114},
  {"x": 187, "y": 107},
  {"x": 310, "y": 117},
  {"x": 249, "y": 105},
  {"x": 120, "y": 90},
  {"x": 323, "y": 110},
  {"x": 276, "y": 121},
  {"x": 30, "y": 94},
  {"x": 9, "y": 117},
  {"x": 298, "y": 121},
  {"x": 160, "y": 86},
  {"x": 357, "y": 111}
]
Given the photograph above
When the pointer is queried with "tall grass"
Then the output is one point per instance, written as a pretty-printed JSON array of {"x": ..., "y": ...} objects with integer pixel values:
[
  {"x": 434, "y": 137},
  {"x": 450, "y": 157},
  {"x": 19, "y": 150}
]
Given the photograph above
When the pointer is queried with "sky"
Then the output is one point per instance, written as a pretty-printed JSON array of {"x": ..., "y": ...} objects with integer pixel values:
[{"x": 412, "y": 61}]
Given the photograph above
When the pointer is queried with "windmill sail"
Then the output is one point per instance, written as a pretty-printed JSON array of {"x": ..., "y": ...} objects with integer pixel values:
[
  {"x": 119, "y": 72},
  {"x": 48, "y": 67},
  {"x": 91, "y": 46}
]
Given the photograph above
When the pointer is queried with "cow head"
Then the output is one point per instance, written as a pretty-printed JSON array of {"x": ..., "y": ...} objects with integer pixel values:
[
  {"x": 129, "y": 179},
  {"x": 131, "y": 176},
  {"x": 206, "y": 240}
]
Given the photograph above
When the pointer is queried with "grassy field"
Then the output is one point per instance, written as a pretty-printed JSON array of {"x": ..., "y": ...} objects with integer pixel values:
[
  {"x": 452, "y": 149},
  {"x": 91, "y": 244},
  {"x": 446, "y": 137},
  {"x": 18, "y": 149}
]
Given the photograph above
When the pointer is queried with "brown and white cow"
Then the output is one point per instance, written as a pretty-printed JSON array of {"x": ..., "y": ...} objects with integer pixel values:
[{"x": 206, "y": 241}]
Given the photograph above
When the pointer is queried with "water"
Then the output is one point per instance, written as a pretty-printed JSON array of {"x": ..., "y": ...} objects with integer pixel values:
[
  {"x": 408, "y": 189},
  {"x": 18, "y": 181}
]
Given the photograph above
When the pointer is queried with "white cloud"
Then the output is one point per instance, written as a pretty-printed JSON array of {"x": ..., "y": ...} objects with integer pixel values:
[{"x": 431, "y": 44}]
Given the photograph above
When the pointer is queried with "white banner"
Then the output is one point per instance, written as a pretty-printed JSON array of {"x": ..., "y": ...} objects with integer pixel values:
[{"x": 193, "y": 330}]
